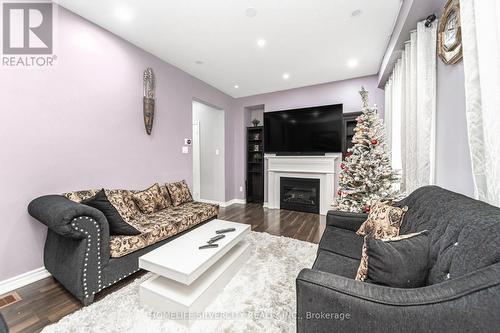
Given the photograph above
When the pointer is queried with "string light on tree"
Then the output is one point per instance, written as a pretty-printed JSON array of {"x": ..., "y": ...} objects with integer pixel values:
[{"x": 366, "y": 174}]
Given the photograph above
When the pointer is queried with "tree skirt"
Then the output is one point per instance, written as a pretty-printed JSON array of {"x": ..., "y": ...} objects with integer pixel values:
[{"x": 259, "y": 298}]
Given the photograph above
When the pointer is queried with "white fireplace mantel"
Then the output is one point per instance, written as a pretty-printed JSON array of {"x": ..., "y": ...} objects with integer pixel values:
[{"x": 324, "y": 168}]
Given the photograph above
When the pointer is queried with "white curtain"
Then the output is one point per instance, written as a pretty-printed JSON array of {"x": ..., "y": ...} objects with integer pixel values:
[
  {"x": 481, "y": 45},
  {"x": 410, "y": 96}
]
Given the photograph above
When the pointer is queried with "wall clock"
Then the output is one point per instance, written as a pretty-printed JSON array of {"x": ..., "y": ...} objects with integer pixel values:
[{"x": 450, "y": 33}]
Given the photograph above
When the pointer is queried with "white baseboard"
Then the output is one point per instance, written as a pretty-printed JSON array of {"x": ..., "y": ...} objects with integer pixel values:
[
  {"x": 224, "y": 204},
  {"x": 265, "y": 205},
  {"x": 235, "y": 201},
  {"x": 211, "y": 202},
  {"x": 23, "y": 280}
]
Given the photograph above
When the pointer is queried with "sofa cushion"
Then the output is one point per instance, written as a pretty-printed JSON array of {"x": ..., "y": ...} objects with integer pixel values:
[
  {"x": 179, "y": 193},
  {"x": 465, "y": 233},
  {"x": 150, "y": 200},
  {"x": 164, "y": 192},
  {"x": 341, "y": 241},
  {"x": 117, "y": 226},
  {"x": 161, "y": 225},
  {"x": 335, "y": 263},
  {"x": 192, "y": 213},
  {"x": 399, "y": 262},
  {"x": 383, "y": 221},
  {"x": 124, "y": 204},
  {"x": 79, "y": 196}
]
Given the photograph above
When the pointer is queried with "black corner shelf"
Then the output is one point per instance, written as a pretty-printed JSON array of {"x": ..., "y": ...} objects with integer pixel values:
[
  {"x": 255, "y": 164},
  {"x": 349, "y": 124}
]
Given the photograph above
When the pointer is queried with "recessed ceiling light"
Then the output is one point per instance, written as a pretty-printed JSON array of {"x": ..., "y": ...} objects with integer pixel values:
[
  {"x": 286, "y": 76},
  {"x": 251, "y": 12},
  {"x": 352, "y": 63},
  {"x": 236, "y": 86},
  {"x": 123, "y": 13},
  {"x": 199, "y": 62},
  {"x": 261, "y": 42},
  {"x": 356, "y": 13}
]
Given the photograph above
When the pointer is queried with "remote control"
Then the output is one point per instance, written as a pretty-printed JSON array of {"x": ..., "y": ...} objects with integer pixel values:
[
  {"x": 223, "y": 231},
  {"x": 209, "y": 246},
  {"x": 215, "y": 239}
]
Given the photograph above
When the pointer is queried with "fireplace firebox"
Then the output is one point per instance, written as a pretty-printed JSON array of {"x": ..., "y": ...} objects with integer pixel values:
[{"x": 299, "y": 194}]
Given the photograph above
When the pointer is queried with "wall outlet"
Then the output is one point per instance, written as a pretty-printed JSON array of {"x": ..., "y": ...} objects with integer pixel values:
[
  {"x": 241, "y": 188},
  {"x": 185, "y": 150}
]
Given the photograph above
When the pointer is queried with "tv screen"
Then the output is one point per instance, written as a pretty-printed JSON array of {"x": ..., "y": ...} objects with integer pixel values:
[{"x": 313, "y": 130}]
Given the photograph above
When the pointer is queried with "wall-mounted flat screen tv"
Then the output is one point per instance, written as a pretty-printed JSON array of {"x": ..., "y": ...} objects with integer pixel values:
[{"x": 305, "y": 131}]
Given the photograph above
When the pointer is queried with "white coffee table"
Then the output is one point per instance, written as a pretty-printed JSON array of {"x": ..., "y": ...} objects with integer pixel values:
[{"x": 188, "y": 278}]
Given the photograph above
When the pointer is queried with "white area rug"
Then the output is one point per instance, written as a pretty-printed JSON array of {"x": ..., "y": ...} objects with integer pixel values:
[{"x": 260, "y": 297}]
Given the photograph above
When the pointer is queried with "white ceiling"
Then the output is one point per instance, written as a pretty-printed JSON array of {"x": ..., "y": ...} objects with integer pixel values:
[{"x": 312, "y": 40}]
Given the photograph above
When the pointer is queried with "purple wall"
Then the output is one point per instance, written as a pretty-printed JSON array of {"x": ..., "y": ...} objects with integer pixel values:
[
  {"x": 345, "y": 92},
  {"x": 79, "y": 125}
]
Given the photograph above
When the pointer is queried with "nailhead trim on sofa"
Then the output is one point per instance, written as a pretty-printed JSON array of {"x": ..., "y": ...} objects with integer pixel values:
[{"x": 87, "y": 251}]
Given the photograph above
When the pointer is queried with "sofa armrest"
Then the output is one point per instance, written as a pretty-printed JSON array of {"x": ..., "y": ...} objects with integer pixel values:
[
  {"x": 466, "y": 303},
  {"x": 3, "y": 325},
  {"x": 345, "y": 220},
  {"x": 77, "y": 244},
  {"x": 57, "y": 213}
]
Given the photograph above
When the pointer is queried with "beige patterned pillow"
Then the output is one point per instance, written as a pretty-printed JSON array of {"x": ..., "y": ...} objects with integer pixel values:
[
  {"x": 383, "y": 222},
  {"x": 179, "y": 193},
  {"x": 164, "y": 192},
  {"x": 151, "y": 200},
  {"x": 124, "y": 203},
  {"x": 79, "y": 196}
]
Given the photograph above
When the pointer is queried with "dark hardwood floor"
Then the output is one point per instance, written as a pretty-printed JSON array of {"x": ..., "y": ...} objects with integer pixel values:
[{"x": 46, "y": 301}]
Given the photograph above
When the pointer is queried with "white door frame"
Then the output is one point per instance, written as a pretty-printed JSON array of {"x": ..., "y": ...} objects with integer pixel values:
[{"x": 196, "y": 161}]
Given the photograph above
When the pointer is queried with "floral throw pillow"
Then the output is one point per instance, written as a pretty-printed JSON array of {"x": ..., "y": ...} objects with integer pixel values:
[
  {"x": 124, "y": 203},
  {"x": 179, "y": 193},
  {"x": 383, "y": 221},
  {"x": 79, "y": 196},
  {"x": 151, "y": 200},
  {"x": 164, "y": 192}
]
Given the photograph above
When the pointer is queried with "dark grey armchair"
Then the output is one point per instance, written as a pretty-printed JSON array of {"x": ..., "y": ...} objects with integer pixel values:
[
  {"x": 3, "y": 325},
  {"x": 463, "y": 288}
]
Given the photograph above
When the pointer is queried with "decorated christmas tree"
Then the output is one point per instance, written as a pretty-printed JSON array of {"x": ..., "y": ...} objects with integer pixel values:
[{"x": 366, "y": 174}]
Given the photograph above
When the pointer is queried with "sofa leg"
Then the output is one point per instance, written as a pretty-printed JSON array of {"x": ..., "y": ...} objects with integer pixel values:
[{"x": 88, "y": 300}]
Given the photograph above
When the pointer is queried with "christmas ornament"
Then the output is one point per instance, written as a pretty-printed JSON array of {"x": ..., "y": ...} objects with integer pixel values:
[{"x": 366, "y": 175}]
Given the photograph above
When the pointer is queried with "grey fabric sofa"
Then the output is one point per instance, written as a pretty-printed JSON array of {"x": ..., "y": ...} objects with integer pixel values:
[
  {"x": 77, "y": 248},
  {"x": 3, "y": 325},
  {"x": 462, "y": 293}
]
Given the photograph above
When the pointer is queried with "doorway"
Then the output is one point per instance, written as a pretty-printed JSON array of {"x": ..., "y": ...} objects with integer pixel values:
[{"x": 208, "y": 153}]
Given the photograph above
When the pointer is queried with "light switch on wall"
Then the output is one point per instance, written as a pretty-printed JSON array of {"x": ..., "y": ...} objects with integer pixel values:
[
  {"x": 217, "y": 152},
  {"x": 241, "y": 188},
  {"x": 185, "y": 150}
]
